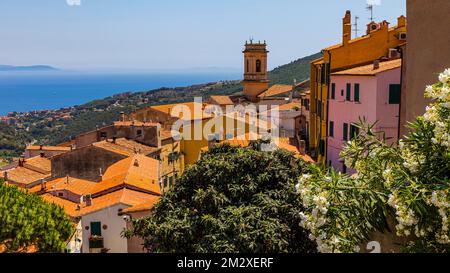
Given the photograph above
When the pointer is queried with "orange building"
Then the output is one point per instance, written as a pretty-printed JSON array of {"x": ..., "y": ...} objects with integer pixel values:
[{"x": 380, "y": 42}]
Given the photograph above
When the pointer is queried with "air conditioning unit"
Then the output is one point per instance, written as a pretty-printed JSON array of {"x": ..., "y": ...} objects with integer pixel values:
[
  {"x": 393, "y": 53},
  {"x": 402, "y": 36}
]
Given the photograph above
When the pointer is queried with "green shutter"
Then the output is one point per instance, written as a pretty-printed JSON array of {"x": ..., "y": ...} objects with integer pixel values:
[
  {"x": 356, "y": 92},
  {"x": 322, "y": 147},
  {"x": 354, "y": 131},
  {"x": 348, "y": 96},
  {"x": 331, "y": 129},
  {"x": 333, "y": 91},
  {"x": 345, "y": 131},
  {"x": 394, "y": 93},
  {"x": 96, "y": 228}
]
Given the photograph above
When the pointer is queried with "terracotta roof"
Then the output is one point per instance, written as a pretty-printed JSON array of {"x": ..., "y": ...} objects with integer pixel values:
[
  {"x": 289, "y": 106},
  {"x": 123, "y": 196},
  {"x": 243, "y": 140},
  {"x": 25, "y": 176},
  {"x": 368, "y": 70},
  {"x": 275, "y": 90},
  {"x": 48, "y": 148},
  {"x": 39, "y": 164},
  {"x": 74, "y": 185},
  {"x": 291, "y": 148},
  {"x": 69, "y": 207},
  {"x": 146, "y": 206},
  {"x": 222, "y": 100},
  {"x": 138, "y": 171},
  {"x": 135, "y": 123},
  {"x": 193, "y": 115},
  {"x": 38, "y": 188},
  {"x": 125, "y": 147}
]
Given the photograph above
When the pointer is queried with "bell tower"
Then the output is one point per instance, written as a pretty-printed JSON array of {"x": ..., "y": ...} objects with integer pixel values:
[{"x": 255, "y": 70}]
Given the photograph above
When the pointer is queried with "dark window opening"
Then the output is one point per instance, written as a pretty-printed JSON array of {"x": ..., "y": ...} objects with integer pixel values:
[
  {"x": 258, "y": 66},
  {"x": 331, "y": 129},
  {"x": 345, "y": 132},
  {"x": 96, "y": 228},
  {"x": 333, "y": 91},
  {"x": 356, "y": 92},
  {"x": 348, "y": 95},
  {"x": 354, "y": 131},
  {"x": 394, "y": 93}
]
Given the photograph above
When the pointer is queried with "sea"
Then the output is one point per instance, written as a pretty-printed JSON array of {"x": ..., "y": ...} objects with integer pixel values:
[{"x": 28, "y": 91}]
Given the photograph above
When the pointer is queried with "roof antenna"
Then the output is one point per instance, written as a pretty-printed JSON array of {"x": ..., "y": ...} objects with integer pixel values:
[
  {"x": 370, "y": 7},
  {"x": 356, "y": 26}
]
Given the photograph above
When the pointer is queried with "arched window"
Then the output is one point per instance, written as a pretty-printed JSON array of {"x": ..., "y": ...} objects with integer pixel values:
[
  {"x": 247, "y": 66},
  {"x": 258, "y": 66}
]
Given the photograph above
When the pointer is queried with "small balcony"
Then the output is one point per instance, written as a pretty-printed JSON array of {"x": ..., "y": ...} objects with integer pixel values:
[{"x": 96, "y": 244}]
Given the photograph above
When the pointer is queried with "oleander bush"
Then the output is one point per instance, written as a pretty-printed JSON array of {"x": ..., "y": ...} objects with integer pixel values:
[{"x": 409, "y": 181}]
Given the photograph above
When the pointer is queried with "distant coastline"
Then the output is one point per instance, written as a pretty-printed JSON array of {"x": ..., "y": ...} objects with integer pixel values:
[
  {"x": 27, "y": 91},
  {"x": 31, "y": 68}
]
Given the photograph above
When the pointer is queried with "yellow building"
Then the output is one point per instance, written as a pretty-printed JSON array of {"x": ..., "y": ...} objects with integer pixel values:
[
  {"x": 379, "y": 42},
  {"x": 255, "y": 70}
]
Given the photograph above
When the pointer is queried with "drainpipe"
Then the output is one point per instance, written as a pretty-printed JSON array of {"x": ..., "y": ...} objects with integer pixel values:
[{"x": 402, "y": 54}]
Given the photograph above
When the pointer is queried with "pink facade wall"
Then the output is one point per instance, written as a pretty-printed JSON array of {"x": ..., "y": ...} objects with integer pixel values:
[{"x": 374, "y": 106}]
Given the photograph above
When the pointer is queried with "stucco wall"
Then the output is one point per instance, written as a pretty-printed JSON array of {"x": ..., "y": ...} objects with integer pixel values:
[
  {"x": 84, "y": 163},
  {"x": 112, "y": 235},
  {"x": 427, "y": 53}
]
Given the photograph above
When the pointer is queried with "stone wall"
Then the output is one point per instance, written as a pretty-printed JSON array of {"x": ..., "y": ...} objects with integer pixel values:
[{"x": 84, "y": 163}]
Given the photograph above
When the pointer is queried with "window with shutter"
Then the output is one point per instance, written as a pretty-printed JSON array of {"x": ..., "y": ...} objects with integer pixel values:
[
  {"x": 331, "y": 129},
  {"x": 96, "y": 228},
  {"x": 356, "y": 92},
  {"x": 348, "y": 95},
  {"x": 333, "y": 91},
  {"x": 394, "y": 93},
  {"x": 345, "y": 132}
]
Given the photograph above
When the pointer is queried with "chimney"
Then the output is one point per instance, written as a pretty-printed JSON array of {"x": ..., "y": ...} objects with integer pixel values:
[
  {"x": 376, "y": 64},
  {"x": 401, "y": 21},
  {"x": 302, "y": 147},
  {"x": 21, "y": 162},
  {"x": 88, "y": 200},
  {"x": 67, "y": 179},
  {"x": 122, "y": 116},
  {"x": 43, "y": 185},
  {"x": 41, "y": 147},
  {"x": 42, "y": 154},
  {"x": 136, "y": 163},
  {"x": 114, "y": 139},
  {"x": 5, "y": 176},
  {"x": 347, "y": 27}
]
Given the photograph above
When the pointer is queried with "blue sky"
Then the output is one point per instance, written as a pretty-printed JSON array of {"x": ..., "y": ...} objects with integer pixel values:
[{"x": 168, "y": 34}]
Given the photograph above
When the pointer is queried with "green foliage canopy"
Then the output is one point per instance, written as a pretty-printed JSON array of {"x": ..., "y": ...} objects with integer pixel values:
[
  {"x": 232, "y": 200},
  {"x": 27, "y": 220}
]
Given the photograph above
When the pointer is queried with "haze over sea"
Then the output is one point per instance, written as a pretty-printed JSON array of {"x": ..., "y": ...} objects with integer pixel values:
[{"x": 28, "y": 91}]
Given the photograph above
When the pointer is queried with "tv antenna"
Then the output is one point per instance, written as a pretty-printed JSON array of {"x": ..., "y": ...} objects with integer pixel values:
[
  {"x": 356, "y": 26},
  {"x": 370, "y": 8}
]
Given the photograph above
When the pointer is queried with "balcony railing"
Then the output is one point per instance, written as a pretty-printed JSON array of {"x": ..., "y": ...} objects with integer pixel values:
[{"x": 96, "y": 243}]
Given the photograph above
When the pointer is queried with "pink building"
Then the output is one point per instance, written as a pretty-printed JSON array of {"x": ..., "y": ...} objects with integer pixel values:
[{"x": 371, "y": 92}]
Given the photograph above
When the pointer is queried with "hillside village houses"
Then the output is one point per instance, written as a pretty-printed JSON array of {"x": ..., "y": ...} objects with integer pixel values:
[
  {"x": 109, "y": 176},
  {"x": 380, "y": 43},
  {"x": 106, "y": 177}
]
